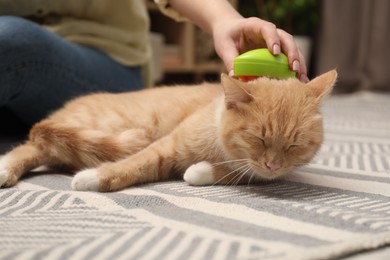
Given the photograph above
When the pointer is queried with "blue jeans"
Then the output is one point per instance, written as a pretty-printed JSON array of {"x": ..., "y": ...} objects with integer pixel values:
[{"x": 40, "y": 71}]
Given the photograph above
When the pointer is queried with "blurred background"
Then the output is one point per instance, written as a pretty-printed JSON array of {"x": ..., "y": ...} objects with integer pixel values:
[{"x": 349, "y": 35}]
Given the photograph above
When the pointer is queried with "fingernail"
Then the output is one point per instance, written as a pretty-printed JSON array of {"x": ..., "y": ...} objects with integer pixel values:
[
  {"x": 276, "y": 49},
  {"x": 231, "y": 73},
  {"x": 303, "y": 78},
  {"x": 295, "y": 65}
]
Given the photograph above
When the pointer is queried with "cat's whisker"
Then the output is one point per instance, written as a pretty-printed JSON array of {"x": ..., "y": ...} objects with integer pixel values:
[
  {"x": 252, "y": 175},
  {"x": 230, "y": 173},
  {"x": 238, "y": 165},
  {"x": 230, "y": 161},
  {"x": 230, "y": 182},
  {"x": 255, "y": 166},
  {"x": 225, "y": 176},
  {"x": 242, "y": 175},
  {"x": 236, "y": 179},
  {"x": 250, "y": 180},
  {"x": 237, "y": 174}
]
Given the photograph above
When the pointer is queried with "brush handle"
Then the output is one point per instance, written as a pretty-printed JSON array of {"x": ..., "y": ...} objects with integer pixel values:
[{"x": 262, "y": 63}]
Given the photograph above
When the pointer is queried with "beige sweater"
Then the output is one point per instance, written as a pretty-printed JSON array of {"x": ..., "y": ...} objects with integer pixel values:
[{"x": 118, "y": 27}]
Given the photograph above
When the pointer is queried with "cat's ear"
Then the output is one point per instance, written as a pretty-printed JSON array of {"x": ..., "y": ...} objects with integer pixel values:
[
  {"x": 322, "y": 85},
  {"x": 234, "y": 92}
]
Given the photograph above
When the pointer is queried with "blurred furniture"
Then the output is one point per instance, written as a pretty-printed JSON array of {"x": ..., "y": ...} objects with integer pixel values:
[{"x": 186, "y": 49}]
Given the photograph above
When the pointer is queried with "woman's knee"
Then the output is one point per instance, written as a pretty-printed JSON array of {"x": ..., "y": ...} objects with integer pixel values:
[{"x": 18, "y": 35}]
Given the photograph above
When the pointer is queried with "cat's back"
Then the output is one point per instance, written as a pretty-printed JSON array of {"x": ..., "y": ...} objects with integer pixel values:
[
  {"x": 156, "y": 95},
  {"x": 165, "y": 98},
  {"x": 167, "y": 104}
]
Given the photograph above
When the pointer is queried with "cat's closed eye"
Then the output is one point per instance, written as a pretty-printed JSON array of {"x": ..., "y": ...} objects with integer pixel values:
[
  {"x": 262, "y": 141},
  {"x": 291, "y": 147},
  {"x": 259, "y": 138}
]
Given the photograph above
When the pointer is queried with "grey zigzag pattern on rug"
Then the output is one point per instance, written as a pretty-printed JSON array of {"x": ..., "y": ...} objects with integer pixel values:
[{"x": 337, "y": 205}]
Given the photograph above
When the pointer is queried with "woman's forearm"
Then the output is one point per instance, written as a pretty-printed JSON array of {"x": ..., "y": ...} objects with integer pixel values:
[{"x": 205, "y": 13}]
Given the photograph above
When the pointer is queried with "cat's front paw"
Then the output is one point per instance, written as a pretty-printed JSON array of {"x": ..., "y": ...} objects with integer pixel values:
[
  {"x": 199, "y": 174},
  {"x": 86, "y": 180},
  {"x": 6, "y": 178}
]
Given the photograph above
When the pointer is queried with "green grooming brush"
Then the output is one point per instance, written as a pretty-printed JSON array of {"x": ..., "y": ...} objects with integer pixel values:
[{"x": 262, "y": 63}]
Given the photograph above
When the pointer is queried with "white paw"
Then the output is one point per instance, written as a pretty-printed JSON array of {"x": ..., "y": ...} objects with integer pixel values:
[
  {"x": 199, "y": 174},
  {"x": 4, "y": 172},
  {"x": 86, "y": 180}
]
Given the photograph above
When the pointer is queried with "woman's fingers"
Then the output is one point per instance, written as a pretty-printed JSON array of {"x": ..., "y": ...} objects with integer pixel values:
[
  {"x": 259, "y": 33},
  {"x": 296, "y": 60}
]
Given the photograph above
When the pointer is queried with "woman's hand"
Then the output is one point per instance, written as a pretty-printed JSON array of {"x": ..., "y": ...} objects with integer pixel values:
[{"x": 235, "y": 36}]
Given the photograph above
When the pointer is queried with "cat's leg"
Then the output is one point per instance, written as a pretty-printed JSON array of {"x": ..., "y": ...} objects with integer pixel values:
[
  {"x": 154, "y": 163},
  {"x": 134, "y": 140},
  {"x": 19, "y": 161},
  {"x": 79, "y": 148},
  {"x": 104, "y": 147},
  {"x": 204, "y": 173}
]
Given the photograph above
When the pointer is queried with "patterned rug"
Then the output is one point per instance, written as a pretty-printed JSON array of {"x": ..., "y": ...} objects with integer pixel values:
[{"x": 338, "y": 205}]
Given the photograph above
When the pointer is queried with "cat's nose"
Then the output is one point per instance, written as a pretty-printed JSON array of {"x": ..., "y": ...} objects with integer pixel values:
[{"x": 272, "y": 166}]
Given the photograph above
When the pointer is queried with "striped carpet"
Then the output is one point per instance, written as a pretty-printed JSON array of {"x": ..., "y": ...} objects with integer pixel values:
[{"x": 336, "y": 206}]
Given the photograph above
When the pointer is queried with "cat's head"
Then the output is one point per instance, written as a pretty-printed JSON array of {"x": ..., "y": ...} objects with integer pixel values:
[{"x": 273, "y": 125}]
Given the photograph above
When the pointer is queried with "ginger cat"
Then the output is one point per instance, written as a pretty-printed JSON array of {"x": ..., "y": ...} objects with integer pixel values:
[{"x": 228, "y": 133}]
